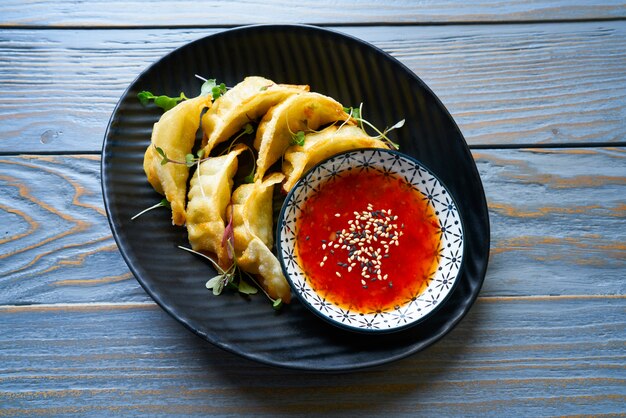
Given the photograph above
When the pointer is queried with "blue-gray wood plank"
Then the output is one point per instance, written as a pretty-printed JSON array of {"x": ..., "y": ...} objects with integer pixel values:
[
  {"x": 167, "y": 13},
  {"x": 508, "y": 84},
  {"x": 528, "y": 356}
]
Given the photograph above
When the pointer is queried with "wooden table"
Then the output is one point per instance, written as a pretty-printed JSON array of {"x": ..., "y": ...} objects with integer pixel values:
[{"x": 539, "y": 91}]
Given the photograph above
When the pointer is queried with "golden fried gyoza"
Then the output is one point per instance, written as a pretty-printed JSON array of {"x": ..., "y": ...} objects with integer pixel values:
[
  {"x": 253, "y": 235},
  {"x": 301, "y": 112},
  {"x": 321, "y": 145},
  {"x": 175, "y": 134},
  {"x": 209, "y": 195},
  {"x": 246, "y": 102}
]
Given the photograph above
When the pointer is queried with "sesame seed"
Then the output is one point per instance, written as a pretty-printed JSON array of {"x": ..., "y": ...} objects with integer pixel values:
[
  {"x": 338, "y": 274},
  {"x": 337, "y": 215}
]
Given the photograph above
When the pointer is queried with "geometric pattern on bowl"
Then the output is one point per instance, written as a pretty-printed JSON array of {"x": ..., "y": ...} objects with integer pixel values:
[{"x": 440, "y": 284}]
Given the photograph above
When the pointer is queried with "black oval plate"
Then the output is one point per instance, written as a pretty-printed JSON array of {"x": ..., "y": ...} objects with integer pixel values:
[{"x": 334, "y": 64}]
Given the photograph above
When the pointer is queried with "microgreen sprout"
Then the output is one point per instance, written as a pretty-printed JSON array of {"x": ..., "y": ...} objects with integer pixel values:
[
  {"x": 190, "y": 159},
  {"x": 164, "y": 102},
  {"x": 356, "y": 114},
  {"x": 210, "y": 86},
  {"x": 276, "y": 303},
  {"x": 233, "y": 279},
  {"x": 250, "y": 177},
  {"x": 246, "y": 130},
  {"x": 163, "y": 203},
  {"x": 224, "y": 278},
  {"x": 297, "y": 138}
]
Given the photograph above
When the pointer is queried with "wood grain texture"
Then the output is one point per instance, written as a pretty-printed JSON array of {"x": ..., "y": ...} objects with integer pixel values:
[
  {"x": 504, "y": 85},
  {"x": 176, "y": 12},
  {"x": 557, "y": 220},
  {"x": 556, "y": 216},
  {"x": 55, "y": 241},
  {"x": 511, "y": 356}
]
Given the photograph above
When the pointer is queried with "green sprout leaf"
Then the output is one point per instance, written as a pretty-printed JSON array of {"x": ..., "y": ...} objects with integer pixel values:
[
  {"x": 218, "y": 90},
  {"x": 145, "y": 97},
  {"x": 217, "y": 284},
  {"x": 355, "y": 112},
  {"x": 277, "y": 304},
  {"x": 249, "y": 178},
  {"x": 297, "y": 138},
  {"x": 248, "y": 128},
  {"x": 164, "y": 102},
  {"x": 211, "y": 87},
  {"x": 164, "y": 159},
  {"x": 207, "y": 87},
  {"x": 190, "y": 160},
  {"x": 246, "y": 288}
]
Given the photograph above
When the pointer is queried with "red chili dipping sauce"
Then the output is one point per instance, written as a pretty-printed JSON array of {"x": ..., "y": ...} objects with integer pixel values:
[{"x": 368, "y": 241}]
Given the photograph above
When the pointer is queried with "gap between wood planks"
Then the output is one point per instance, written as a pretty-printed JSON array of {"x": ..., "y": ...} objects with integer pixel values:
[
  {"x": 94, "y": 306},
  {"x": 332, "y": 24},
  {"x": 471, "y": 147}
]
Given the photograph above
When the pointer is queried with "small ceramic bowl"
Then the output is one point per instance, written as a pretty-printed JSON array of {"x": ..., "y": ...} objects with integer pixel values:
[{"x": 436, "y": 283}]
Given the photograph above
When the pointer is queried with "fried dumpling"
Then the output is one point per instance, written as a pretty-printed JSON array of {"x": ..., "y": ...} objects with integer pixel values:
[
  {"x": 247, "y": 101},
  {"x": 321, "y": 145},
  {"x": 209, "y": 196},
  {"x": 175, "y": 134},
  {"x": 302, "y": 112},
  {"x": 253, "y": 235}
]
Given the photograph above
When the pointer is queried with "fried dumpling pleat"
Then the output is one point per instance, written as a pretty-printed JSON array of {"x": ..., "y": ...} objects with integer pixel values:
[
  {"x": 247, "y": 101},
  {"x": 175, "y": 134},
  {"x": 321, "y": 145},
  {"x": 302, "y": 112},
  {"x": 209, "y": 195},
  {"x": 253, "y": 235}
]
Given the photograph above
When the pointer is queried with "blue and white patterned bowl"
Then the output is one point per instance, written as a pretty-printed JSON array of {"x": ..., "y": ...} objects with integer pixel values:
[{"x": 439, "y": 285}]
